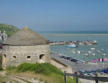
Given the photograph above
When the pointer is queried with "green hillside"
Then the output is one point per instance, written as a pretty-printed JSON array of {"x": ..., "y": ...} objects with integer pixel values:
[
  {"x": 10, "y": 29},
  {"x": 43, "y": 71}
]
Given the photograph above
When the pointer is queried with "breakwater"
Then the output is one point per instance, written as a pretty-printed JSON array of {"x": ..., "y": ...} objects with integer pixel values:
[{"x": 73, "y": 42}]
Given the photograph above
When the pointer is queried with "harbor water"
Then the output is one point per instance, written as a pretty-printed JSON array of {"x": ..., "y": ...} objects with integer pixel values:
[{"x": 83, "y": 52}]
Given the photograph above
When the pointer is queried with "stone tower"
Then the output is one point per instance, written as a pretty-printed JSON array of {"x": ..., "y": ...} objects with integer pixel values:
[{"x": 25, "y": 46}]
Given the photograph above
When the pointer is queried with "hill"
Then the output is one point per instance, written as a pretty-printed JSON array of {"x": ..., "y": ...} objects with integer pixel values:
[
  {"x": 33, "y": 72},
  {"x": 10, "y": 29}
]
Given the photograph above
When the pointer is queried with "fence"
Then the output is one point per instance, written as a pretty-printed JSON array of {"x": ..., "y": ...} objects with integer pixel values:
[{"x": 96, "y": 79}]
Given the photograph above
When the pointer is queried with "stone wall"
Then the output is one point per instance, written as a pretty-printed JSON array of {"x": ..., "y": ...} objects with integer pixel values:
[
  {"x": 61, "y": 66},
  {"x": 16, "y": 55}
]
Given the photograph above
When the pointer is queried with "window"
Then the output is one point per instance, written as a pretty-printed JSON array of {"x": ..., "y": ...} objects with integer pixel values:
[
  {"x": 5, "y": 55},
  {"x": 14, "y": 57},
  {"x": 28, "y": 57},
  {"x": 41, "y": 56}
]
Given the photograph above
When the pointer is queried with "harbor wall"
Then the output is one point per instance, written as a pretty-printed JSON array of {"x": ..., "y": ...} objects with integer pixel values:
[{"x": 61, "y": 65}]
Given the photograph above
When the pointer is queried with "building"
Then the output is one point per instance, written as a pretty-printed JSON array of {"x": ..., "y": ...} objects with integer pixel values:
[{"x": 25, "y": 46}]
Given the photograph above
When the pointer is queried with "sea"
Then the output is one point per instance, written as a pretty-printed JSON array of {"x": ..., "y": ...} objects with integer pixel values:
[{"x": 86, "y": 51}]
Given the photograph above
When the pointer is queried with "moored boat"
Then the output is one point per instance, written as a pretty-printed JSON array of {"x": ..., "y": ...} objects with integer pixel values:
[{"x": 72, "y": 45}]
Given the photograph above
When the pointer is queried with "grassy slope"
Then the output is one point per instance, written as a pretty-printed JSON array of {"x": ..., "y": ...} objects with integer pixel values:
[
  {"x": 44, "y": 71},
  {"x": 10, "y": 29}
]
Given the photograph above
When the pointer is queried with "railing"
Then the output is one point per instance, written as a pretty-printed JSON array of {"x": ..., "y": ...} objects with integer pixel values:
[{"x": 96, "y": 79}]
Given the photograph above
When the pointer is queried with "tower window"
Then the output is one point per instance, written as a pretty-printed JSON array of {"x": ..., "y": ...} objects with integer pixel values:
[
  {"x": 41, "y": 56},
  {"x": 14, "y": 57},
  {"x": 28, "y": 57},
  {"x": 5, "y": 55}
]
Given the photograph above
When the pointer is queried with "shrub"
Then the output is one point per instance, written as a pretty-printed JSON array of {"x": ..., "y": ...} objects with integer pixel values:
[{"x": 43, "y": 68}]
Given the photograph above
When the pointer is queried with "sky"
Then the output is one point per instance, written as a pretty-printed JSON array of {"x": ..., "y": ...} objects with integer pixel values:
[{"x": 56, "y": 15}]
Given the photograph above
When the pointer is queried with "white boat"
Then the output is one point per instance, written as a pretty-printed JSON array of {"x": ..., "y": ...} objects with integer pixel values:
[
  {"x": 78, "y": 52},
  {"x": 89, "y": 52},
  {"x": 86, "y": 54},
  {"x": 73, "y": 52},
  {"x": 94, "y": 54},
  {"x": 94, "y": 41},
  {"x": 104, "y": 54},
  {"x": 98, "y": 51},
  {"x": 72, "y": 45},
  {"x": 93, "y": 48}
]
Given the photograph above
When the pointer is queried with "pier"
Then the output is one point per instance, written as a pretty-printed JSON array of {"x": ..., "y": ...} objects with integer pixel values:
[{"x": 74, "y": 42}]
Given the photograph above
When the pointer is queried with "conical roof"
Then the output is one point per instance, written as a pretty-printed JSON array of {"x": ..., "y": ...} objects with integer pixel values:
[{"x": 26, "y": 37}]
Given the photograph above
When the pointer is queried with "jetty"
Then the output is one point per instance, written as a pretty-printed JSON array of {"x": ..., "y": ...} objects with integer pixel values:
[{"x": 74, "y": 42}]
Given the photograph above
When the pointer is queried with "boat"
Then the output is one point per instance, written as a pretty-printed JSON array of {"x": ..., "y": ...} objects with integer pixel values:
[
  {"x": 86, "y": 54},
  {"x": 73, "y": 52},
  {"x": 104, "y": 54},
  {"x": 93, "y": 48},
  {"x": 89, "y": 52},
  {"x": 78, "y": 52},
  {"x": 94, "y": 54},
  {"x": 98, "y": 51},
  {"x": 95, "y": 41},
  {"x": 72, "y": 45}
]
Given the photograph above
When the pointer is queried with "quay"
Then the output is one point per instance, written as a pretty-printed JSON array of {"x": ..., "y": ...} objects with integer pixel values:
[
  {"x": 74, "y": 42},
  {"x": 83, "y": 66},
  {"x": 87, "y": 66}
]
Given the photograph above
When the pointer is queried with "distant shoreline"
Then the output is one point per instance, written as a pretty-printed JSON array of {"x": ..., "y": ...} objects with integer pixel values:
[{"x": 63, "y": 34}]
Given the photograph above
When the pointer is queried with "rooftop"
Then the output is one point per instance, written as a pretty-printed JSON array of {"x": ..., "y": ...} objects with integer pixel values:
[{"x": 26, "y": 37}]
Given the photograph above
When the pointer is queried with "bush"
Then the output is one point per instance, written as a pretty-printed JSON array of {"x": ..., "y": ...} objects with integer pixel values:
[{"x": 43, "y": 68}]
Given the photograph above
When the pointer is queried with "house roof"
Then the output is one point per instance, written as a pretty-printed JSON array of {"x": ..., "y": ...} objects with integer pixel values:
[{"x": 26, "y": 37}]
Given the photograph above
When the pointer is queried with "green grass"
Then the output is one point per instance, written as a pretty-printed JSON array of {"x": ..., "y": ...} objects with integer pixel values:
[
  {"x": 43, "y": 68},
  {"x": 44, "y": 71}
]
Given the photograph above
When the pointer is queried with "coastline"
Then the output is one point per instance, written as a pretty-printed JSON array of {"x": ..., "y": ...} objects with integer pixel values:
[{"x": 63, "y": 34}]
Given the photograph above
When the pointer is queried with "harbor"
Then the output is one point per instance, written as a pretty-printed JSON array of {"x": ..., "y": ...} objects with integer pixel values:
[{"x": 87, "y": 57}]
